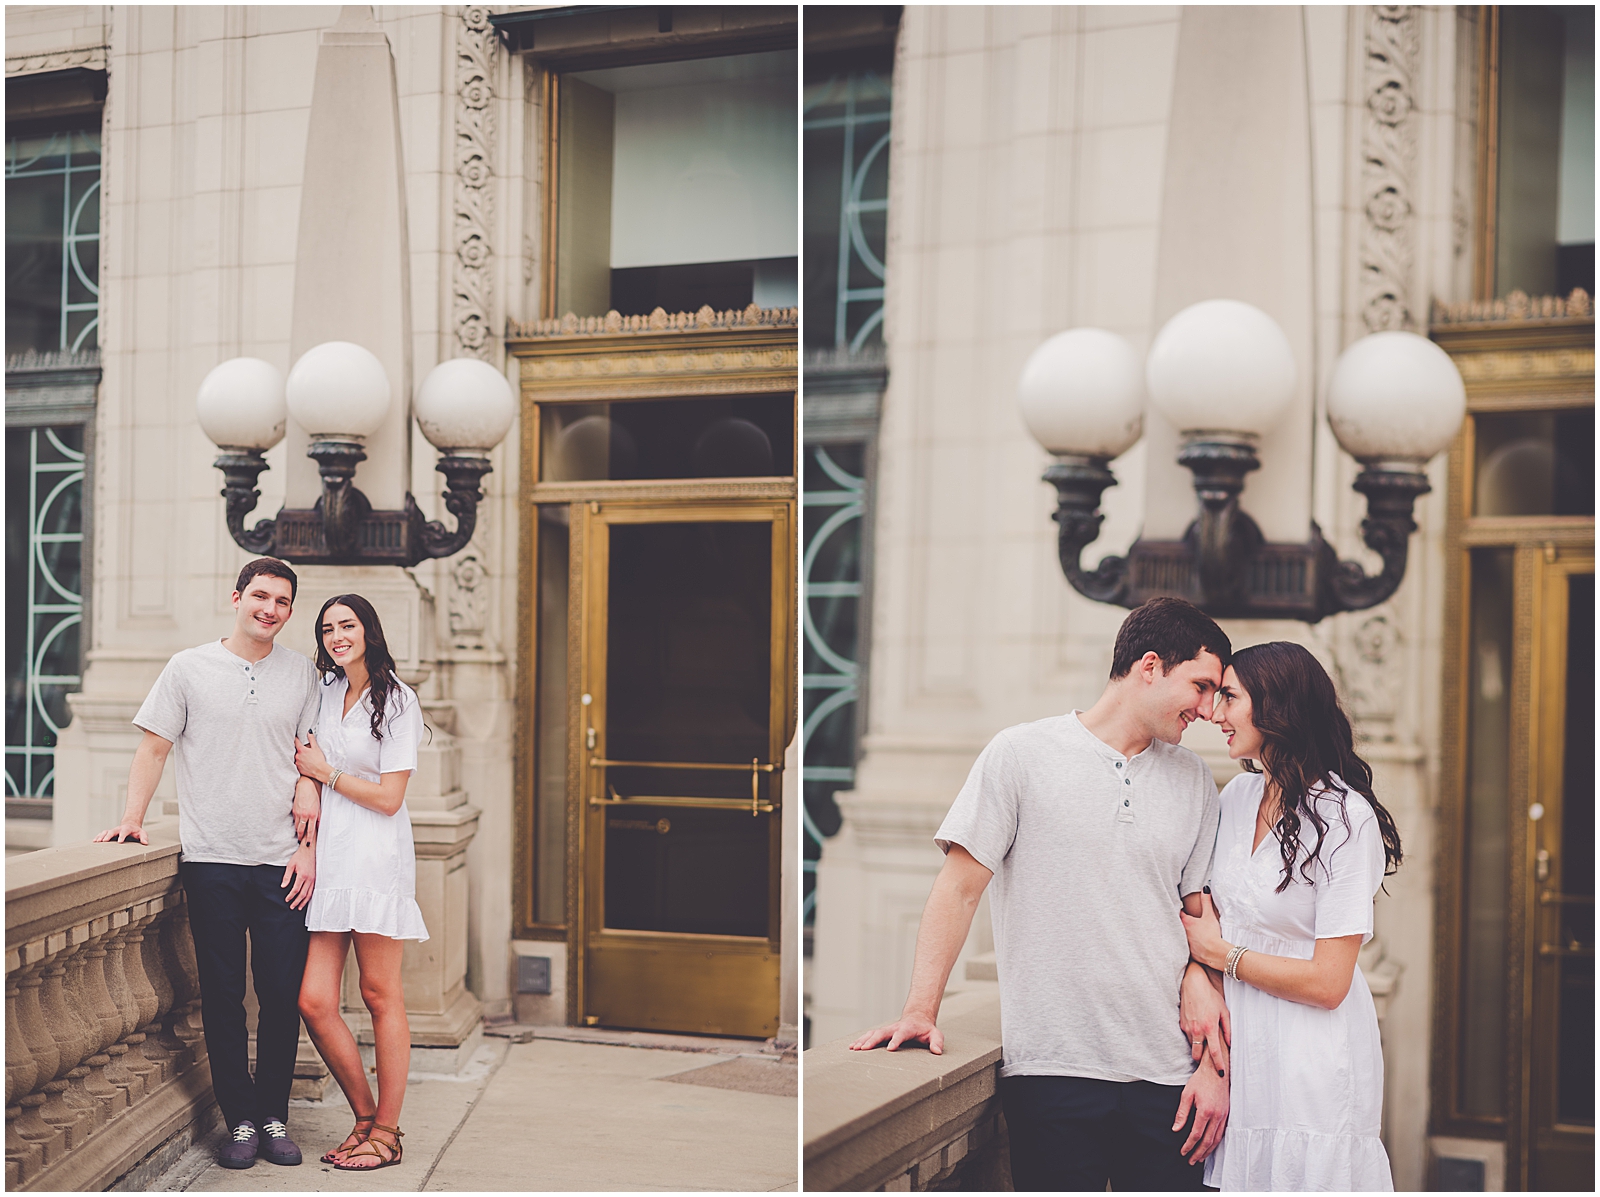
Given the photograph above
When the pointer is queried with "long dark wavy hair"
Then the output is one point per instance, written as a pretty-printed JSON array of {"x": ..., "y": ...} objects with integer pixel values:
[
  {"x": 380, "y": 665},
  {"x": 1305, "y": 740}
]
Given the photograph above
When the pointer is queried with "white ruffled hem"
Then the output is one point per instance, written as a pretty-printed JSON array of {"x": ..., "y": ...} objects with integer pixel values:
[
  {"x": 1266, "y": 1160},
  {"x": 366, "y": 910}
]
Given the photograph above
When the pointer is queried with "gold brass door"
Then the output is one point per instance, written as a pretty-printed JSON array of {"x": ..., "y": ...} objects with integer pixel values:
[
  {"x": 1559, "y": 1096},
  {"x": 686, "y": 707}
]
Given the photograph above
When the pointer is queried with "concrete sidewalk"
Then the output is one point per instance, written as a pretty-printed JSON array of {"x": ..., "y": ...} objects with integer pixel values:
[{"x": 569, "y": 1110}]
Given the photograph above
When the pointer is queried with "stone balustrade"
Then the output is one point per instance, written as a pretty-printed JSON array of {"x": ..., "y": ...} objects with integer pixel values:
[
  {"x": 105, "y": 1055},
  {"x": 913, "y": 1121},
  {"x": 910, "y": 1121}
]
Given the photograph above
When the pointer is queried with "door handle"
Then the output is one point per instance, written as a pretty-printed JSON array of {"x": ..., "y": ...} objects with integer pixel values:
[{"x": 756, "y": 767}]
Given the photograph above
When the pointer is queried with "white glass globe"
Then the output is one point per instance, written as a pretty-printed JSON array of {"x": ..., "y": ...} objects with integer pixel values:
[
  {"x": 337, "y": 390},
  {"x": 1395, "y": 396},
  {"x": 241, "y": 404},
  {"x": 465, "y": 404},
  {"x": 1081, "y": 393},
  {"x": 1221, "y": 365}
]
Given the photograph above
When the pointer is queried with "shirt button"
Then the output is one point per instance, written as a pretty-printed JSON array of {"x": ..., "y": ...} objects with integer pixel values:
[
  {"x": 1124, "y": 802},
  {"x": 1127, "y": 781},
  {"x": 1119, "y": 764}
]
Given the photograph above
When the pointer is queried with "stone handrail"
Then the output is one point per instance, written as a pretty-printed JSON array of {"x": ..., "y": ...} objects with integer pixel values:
[
  {"x": 105, "y": 1055},
  {"x": 910, "y": 1120}
]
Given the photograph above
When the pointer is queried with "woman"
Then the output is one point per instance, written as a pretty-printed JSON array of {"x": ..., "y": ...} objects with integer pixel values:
[
  {"x": 1302, "y": 847},
  {"x": 363, "y": 752}
]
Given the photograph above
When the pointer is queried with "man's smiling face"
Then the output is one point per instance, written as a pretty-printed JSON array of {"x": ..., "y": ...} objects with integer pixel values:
[
  {"x": 263, "y": 607},
  {"x": 1177, "y": 698}
]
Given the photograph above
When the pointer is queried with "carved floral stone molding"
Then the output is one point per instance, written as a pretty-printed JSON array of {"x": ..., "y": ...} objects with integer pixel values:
[
  {"x": 1388, "y": 164},
  {"x": 472, "y": 297}
]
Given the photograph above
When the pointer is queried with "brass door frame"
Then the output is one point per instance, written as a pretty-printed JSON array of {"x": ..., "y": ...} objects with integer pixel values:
[
  {"x": 595, "y": 520},
  {"x": 682, "y": 355},
  {"x": 1549, "y": 570},
  {"x": 1510, "y": 365}
]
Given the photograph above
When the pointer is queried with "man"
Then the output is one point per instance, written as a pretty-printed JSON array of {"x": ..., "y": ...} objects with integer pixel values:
[
  {"x": 234, "y": 709},
  {"x": 1094, "y": 826}
]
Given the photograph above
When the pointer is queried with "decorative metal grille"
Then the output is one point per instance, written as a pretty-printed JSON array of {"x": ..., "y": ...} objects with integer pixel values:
[
  {"x": 44, "y": 598},
  {"x": 53, "y": 241},
  {"x": 846, "y": 124},
  {"x": 834, "y": 501}
]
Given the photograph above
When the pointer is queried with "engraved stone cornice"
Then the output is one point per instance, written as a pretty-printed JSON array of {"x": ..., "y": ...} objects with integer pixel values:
[
  {"x": 92, "y": 57},
  {"x": 472, "y": 298},
  {"x": 1388, "y": 155},
  {"x": 613, "y": 323},
  {"x": 1517, "y": 308},
  {"x": 1519, "y": 352},
  {"x": 618, "y": 357}
]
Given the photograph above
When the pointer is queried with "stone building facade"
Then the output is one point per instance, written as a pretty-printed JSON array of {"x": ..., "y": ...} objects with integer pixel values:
[
  {"x": 196, "y": 123},
  {"x": 1059, "y": 167}
]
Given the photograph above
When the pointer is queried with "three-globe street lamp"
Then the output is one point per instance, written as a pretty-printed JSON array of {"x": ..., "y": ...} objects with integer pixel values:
[
  {"x": 340, "y": 394},
  {"x": 1223, "y": 374}
]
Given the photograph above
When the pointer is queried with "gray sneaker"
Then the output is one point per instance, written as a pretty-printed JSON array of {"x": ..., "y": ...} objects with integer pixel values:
[
  {"x": 240, "y": 1149},
  {"x": 276, "y": 1145}
]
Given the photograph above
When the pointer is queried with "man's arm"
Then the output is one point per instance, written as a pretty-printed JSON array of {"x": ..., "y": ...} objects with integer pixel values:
[
  {"x": 149, "y": 760},
  {"x": 302, "y": 867},
  {"x": 1202, "y": 1012},
  {"x": 946, "y": 919}
]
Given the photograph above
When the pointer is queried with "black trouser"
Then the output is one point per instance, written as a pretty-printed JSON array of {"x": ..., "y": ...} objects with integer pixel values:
[
  {"x": 1073, "y": 1134},
  {"x": 226, "y": 901}
]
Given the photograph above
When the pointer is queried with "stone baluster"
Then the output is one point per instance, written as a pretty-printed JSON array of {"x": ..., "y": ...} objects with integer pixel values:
[
  {"x": 178, "y": 944},
  {"x": 87, "y": 984},
  {"x": 22, "y": 1071},
  {"x": 95, "y": 993},
  {"x": 63, "y": 1104},
  {"x": 154, "y": 990},
  {"x": 130, "y": 1066},
  {"x": 37, "y": 1056},
  {"x": 77, "y": 1034},
  {"x": 24, "y": 1157},
  {"x": 166, "y": 971},
  {"x": 34, "y": 1129},
  {"x": 107, "y": 1011}
]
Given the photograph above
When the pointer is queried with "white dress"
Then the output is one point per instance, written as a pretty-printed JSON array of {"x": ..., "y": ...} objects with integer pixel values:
[
  {"x": 366, "y": 862},
  {"x": 1306, "y": 1097}
]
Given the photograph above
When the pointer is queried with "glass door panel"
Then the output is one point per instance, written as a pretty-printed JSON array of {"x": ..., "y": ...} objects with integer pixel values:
[
  {"x": 1561, "y": 1081},
  {"x": 687, "y": 665}
]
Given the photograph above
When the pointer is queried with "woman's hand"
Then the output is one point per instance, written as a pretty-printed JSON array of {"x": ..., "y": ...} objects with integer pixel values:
[
  {"x": 1205, "y": 935},
  {"x": 308, "y": 759}
]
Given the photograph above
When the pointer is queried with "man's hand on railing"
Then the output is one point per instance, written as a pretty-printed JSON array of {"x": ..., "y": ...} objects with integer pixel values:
[
  {"x": 124, "y": 832},
  {"x": 911, "y": 1028}
]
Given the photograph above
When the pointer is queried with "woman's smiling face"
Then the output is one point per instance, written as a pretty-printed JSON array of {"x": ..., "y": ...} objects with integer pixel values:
[
  {"x": 1232, "y": 713},
  {"x": 343, "y": 636}
]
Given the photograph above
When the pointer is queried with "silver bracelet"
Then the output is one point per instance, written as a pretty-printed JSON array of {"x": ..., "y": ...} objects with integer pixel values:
[
  {"x": 333, "y": 779},
  {"x": 1231, "y": 971}
]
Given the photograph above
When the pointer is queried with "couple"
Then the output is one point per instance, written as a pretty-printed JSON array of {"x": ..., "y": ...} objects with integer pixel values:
[
  {"x": 304, "y": 867},
  {"x": 1094, "y": 827}
]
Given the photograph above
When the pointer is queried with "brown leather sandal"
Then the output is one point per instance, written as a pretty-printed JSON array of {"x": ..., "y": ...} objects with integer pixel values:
[
  {"x": 386, "y": 1151},
  {"x": 354, "y": 1139}
]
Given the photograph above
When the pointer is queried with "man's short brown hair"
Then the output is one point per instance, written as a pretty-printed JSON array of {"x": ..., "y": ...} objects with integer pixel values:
[
  {"x": 1172, "y": 628},
  {"x": 273, "y": 568}
]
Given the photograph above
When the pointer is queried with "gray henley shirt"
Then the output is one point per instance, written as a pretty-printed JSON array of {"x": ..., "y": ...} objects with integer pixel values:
[{"x": 1092, "y": 854}]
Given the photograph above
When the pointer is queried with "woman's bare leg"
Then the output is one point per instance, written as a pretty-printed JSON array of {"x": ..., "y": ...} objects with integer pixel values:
[
  {"x": 379, "y": 959},
  {"x": 319, "y": 1006}
]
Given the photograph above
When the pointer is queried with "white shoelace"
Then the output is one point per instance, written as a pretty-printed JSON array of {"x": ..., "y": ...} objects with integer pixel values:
[
  {"x": 276, "y": 1129},
  {"x": 242, "y": 1133}
]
